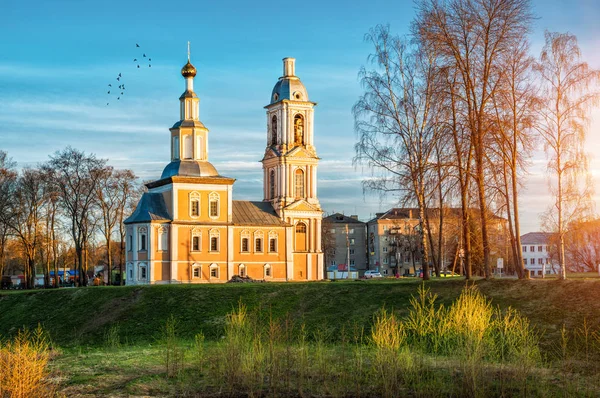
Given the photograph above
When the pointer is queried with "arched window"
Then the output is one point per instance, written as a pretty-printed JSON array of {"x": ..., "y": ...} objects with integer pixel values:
[
  {"x": 142, "y": 272},
  {"x": 245, "y": 242},
  {"x": 299, "y": 183},
  {"x": 143, "y": 239},
  {"x": 196, "y": 240},
  {"x": 272, "y": 183},
  {"x": 213, "y": 205},
  {"x": 214, "y": 240},
  {"x": 194, "y": 204},
  {"x": 274, "y": 130},
  {"x": 267, "y": 271},
  {"x": 298, "y": 130},
  {"x": 300, "y": 237},
  {"x": 272, "y": 242},
  {"x": 196, "y": 271},
  {"x": 214, "y": 271},
  {"x": 176, "y": 147},
  {"x": 258, "y": 241},
  {"x": 162, "y": 239},
  {"x": 188, "y": 148},
  {"x": 242, "y": 270}
]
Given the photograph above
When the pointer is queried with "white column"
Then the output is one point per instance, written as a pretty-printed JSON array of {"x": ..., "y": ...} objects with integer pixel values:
[
  {"x": 320, "y": 266},
  {"x": 314, "y": 181},
  {"x": 311, "y": 234},
  {"x": 174, "y": 202},
  {"x": 309, "y": 182},
  {"x": 173, "y": 253},
  {"x": 229, "y": 203},
  {"x": 229, "y": 252},
  {"x": 284, "y": 124},
  {"x": 134, "y": 233},
  {"x": 319, "y": 230},
  {"x": 311, "y": 131},
  {"x": 309, "y": 266},
  {"x": 289, "y": 252},
  {"x": 151, "y": 248},
  {"x": 266, "y": 182}
]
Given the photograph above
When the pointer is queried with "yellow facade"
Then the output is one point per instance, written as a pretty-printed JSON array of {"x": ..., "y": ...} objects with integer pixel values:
[{"x": 188, "y": 229}]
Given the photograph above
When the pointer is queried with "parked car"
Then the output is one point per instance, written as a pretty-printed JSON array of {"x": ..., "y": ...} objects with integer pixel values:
[
  {"x": 372, "y": 274},
  {"x": 448, "y": 274}
]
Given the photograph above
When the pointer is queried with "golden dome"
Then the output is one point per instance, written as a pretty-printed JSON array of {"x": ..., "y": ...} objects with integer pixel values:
[{"x": 188, "y": 70}]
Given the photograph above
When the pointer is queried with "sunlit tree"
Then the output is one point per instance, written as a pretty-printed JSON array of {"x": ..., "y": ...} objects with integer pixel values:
[{"x": 569, "y": 88}]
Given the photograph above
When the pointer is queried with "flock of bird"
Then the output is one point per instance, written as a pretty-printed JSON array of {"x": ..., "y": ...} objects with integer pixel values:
[{"x": 120, "y": 89}]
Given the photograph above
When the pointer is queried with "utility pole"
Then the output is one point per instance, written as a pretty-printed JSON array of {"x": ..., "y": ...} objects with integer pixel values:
[{"x": 347, "y": 254}]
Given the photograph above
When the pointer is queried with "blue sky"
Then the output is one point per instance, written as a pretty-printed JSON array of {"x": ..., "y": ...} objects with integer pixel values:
[{"x": 57, "y": 58}]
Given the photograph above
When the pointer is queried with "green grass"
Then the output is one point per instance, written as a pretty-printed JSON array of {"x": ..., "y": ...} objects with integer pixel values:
[
  {"x": 345, "y": 338},
  {"x": 75, "y": 317}
]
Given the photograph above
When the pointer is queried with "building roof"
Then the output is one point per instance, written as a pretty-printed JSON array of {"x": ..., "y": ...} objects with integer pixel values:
[
  {"x": 534, "y": 238},
  {"x": 412, "y": 213},
  {"x": 246, "y": 212},
  {"x": 151, "y": 207},
  {"x": 189, "y": 168},
  {"x": 289, "y": 86},
  {"x": 338, "y": 218}
]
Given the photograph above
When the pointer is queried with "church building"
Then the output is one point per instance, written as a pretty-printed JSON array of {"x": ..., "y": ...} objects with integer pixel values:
[{"x": 188, "y": 229}]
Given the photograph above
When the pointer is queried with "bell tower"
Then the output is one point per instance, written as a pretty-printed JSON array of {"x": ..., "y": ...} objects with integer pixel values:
[{"x": 290, "y": 169}]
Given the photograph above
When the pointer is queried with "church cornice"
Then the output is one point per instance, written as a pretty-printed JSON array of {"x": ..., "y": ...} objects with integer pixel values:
[
  {"x": 219, "y": 180},
  {"x": 294, "y": 102}
]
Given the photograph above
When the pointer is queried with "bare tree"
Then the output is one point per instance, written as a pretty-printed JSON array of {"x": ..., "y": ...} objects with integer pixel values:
[
  {"x": 128, "y": 197},
  {"x": 582, "y": 245},
  {"x": 569, "y": 88},
  {"x": 23, "y": 217},
  {"x": 7, "y": 179},
  {"x": 394, "y": 120},
  {"x": 74, "y": 176},
  {"x": 471, "y": 37},
  {"x": 515, "y": 106}
]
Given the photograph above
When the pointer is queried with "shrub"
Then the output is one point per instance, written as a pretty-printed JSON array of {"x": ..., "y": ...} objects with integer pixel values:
[{"x": 24, "y": 366}]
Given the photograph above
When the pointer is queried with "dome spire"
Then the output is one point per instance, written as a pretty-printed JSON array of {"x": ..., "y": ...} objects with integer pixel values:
[{"x": 188, "y": 71}]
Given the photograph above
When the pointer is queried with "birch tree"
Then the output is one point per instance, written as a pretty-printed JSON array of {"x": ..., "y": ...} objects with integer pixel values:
[
  {"x": 471, "y": 36},
  {"x": 394, "y": 121},
  {"x": 569, "y": 88}
]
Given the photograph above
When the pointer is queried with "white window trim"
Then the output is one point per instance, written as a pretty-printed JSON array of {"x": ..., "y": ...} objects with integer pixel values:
[
  {"x": 265, "y": 268},
  {"x": 244, "y": 235},
  {"x": 259, "y": 235},
  {"x": 198, "y": 233},
  {"x": 214, "y": 233},
  {"x": 142, "y": 267},
  {"x": 212, "y": 197},
  {"x": 273, "y": 235},
  {"x": 195, "y": 196},
  {"x": 211, "y": 268},
  {"x": 198, "y": 267},
  {"x": 243, "y": 268},
  {"x": 142, "y": 231},
  {"x": 162, "y": 246}
]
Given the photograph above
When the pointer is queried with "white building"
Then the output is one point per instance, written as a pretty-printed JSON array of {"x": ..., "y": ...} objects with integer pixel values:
[{"x": 536, "y": 256}]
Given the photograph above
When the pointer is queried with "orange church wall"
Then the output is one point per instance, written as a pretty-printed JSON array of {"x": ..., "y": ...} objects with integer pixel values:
[
  {"x": 183, "y": 272},
  {"x": 158, "y": 271},
  {"x": 183, "y": 206},
  {"x": 299, "y": 266},
  {"x": 253, "y": 256},
  {"x": 184, "y": 237}
]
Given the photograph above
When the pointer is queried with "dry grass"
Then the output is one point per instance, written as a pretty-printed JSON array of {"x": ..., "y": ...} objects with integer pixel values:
[{"x": 24, "y": 366}]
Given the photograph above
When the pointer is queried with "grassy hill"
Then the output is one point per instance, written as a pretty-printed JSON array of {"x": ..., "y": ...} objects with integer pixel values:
[{"x": 83, "y": 316}]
